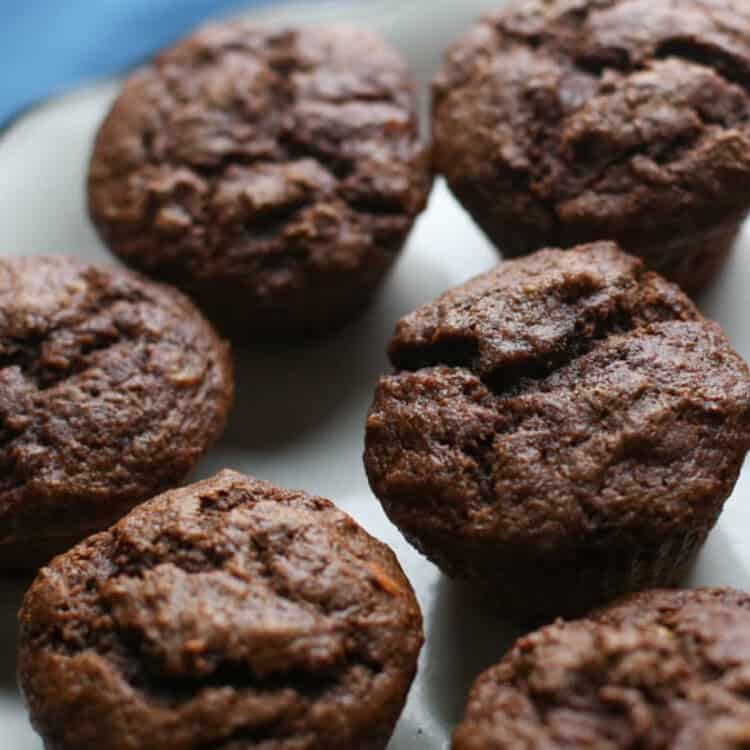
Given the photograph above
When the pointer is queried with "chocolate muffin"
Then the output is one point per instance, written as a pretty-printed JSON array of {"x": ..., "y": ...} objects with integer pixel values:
[
  {"x": 228, "y": 614},
  {"x": 665, "y": 670},
  {"x": 559, "y": 431},
  {"x": 273, "y": 173},
  {"x": 111, "y": 388},
  {"x": 558, "y": 122}
]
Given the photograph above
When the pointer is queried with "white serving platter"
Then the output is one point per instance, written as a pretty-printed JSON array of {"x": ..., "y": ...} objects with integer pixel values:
[{"x": 299, "y": 415}]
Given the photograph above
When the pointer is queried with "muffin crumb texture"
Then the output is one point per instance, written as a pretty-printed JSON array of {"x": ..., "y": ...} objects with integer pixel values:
[
  {"x": 569, "y": 121},
  {"x": 228, "y": 614},
  {"x": 271, "y": 172},
  {"x": 666, "y": 670},
  {"x": 564, "y": 428},
  {"x": 111, "y": 388}
]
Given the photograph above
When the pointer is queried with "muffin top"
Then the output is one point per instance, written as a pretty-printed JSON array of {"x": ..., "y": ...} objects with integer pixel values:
[
  {"x": 664, "y": 670},
  {"x": 111, "y": 387},
  {"x": 271, "y": 155},
  {"x": 588, "y": 119},
  {"x": 228, "y": 614},
  {"x": 564, "y": 401}
]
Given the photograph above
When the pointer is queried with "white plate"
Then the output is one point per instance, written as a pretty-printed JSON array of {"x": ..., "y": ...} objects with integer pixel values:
[{"x": 299, "y": 416}]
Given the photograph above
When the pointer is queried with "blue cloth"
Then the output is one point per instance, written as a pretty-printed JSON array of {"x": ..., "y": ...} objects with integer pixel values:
[{"x": 48, "y": 46}]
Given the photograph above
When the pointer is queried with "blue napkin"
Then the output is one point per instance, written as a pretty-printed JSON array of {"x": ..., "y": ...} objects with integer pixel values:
[{"x": 48, "y": 46}]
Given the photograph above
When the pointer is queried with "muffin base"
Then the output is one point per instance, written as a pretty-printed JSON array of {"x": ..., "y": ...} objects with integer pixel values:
[
  {"x": 533, "y": 593},
  {"x": 293, "y": 325},
  {"x": 26, "y": 556},
  {"x": 692, "y": 262},
  {"x": 695, "y": 262}
]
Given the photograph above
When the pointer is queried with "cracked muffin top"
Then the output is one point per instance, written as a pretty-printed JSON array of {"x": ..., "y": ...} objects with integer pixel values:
[
  {"x": 663, "y": 670},
  {"x": 229, "y": 614},
  {"x": 565, "y": 121},
  {"x": 562, "y": 402},
  {"x": 111, "y": 387},
  {"x": 271, "y": 172}
]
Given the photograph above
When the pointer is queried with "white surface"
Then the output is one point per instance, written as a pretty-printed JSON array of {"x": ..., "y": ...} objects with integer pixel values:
[{"x": 299, "y": 416}]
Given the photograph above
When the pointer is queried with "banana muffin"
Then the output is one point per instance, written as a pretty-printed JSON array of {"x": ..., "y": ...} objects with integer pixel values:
[
  {"x": 663, "y": 670},
  {"x": 111, "y": 388},
  {"x": 273, "y": 173},
  {"x": 558, "y": 122},
  {"x": 228, "y": 614},
  {"x": 559, "y": 431}
]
